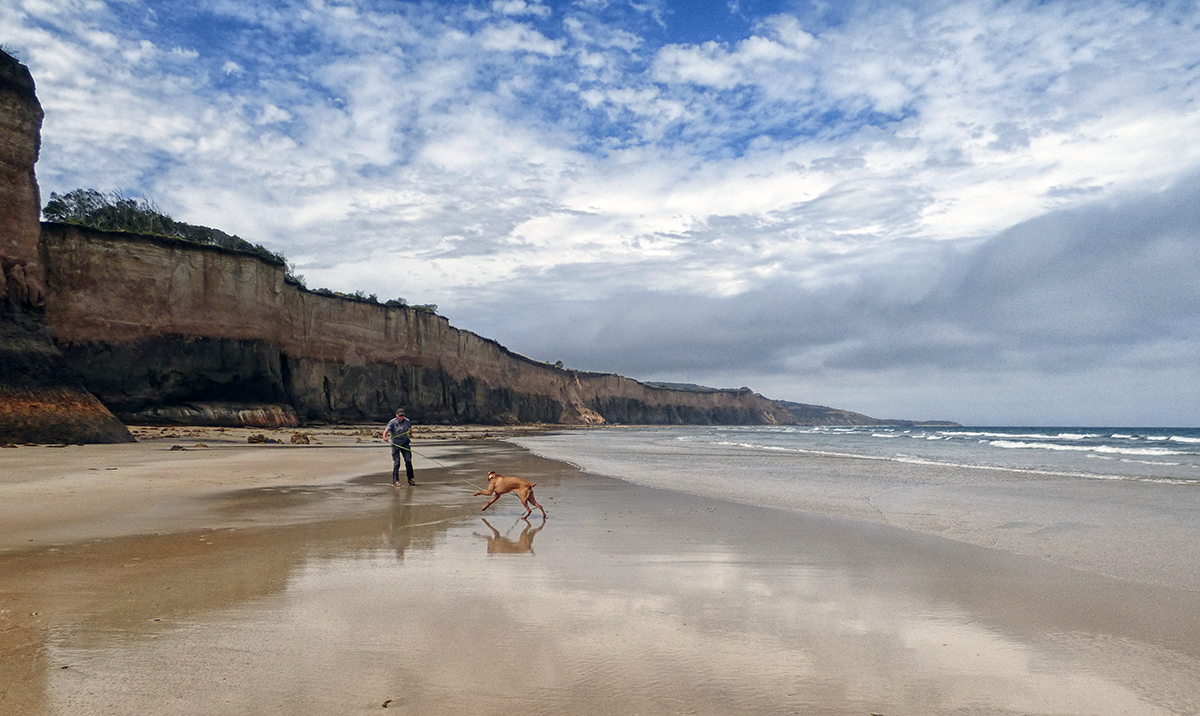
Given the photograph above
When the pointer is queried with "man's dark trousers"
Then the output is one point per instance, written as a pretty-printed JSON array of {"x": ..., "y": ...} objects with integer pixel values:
[{"x": 399, "y": 450}]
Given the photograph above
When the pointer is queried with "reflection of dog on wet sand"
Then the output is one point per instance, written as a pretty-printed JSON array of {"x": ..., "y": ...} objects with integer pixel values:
[
  {"x": 499, "y": 544},
  {"x": 499, "y": 484}
]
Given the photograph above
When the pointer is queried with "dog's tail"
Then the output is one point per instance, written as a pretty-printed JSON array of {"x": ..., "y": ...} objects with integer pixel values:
[{"x": 532, "y": 485}]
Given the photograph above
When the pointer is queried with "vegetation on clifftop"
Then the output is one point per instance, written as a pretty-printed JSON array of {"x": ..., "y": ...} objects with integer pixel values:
[
  {"x": 113, "y": 211},
  {"x": 372, "y": 298}
]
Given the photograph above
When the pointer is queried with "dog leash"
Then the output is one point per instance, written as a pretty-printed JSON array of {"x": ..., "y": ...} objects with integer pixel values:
[{"x": 442, "y": 464}]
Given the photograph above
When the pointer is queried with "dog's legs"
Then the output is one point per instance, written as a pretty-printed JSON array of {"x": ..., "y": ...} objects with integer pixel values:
[
  {"x": 489, "y": 504},
  {"x": 523, "y": 494},
  {"x": 537, "y": 505},
  {"x": 531, "y": 501}
]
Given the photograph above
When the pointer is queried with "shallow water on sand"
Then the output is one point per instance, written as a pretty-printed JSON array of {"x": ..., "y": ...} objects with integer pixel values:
[
  {"x": 1144, "y": 528},
  {"x": 626, "y": 600}
]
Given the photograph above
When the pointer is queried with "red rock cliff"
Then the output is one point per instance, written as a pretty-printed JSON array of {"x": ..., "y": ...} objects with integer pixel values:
[
  {"x": 40, "y": 398},
  {"x": 20, "y": 141},
  {"x": 156, "y": 321}
]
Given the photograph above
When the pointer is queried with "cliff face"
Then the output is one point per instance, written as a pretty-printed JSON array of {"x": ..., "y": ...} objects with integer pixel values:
[
  {"x": 20, "y": 141},
  {"x": 40, "y": 399},
  {"x": 154, "y": 322}
]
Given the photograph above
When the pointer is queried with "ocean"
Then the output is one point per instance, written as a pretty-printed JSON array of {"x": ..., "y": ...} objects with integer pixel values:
[
  {"x": 1123, "y": 502},
  {"x": 1167, "y": 455}
]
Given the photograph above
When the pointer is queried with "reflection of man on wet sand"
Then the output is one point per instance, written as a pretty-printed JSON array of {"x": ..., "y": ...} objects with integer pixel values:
[
  {"x": 499, "y": 544},
  {"x": 400, "y": 532}
]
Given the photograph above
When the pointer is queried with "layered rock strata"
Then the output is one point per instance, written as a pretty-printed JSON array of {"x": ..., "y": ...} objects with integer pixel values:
[
  {"x": 155, "y": 322},
  {"x": 40, "y": 398}
]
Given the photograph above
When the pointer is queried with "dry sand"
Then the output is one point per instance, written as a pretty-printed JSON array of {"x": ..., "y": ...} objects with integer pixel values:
[{"x": 236, "y": 578}]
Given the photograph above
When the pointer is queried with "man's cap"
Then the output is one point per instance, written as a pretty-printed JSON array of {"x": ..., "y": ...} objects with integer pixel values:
[{"x": 399, "y": 411}]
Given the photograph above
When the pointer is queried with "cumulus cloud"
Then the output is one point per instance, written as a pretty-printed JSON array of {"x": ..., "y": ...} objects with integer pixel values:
[
  {"x": 515, "y": 37},
  {"x": 520, "y": 7}
]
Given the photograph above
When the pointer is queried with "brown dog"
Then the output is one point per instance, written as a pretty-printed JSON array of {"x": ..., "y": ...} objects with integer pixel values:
[{"x": 499, "y": 484}]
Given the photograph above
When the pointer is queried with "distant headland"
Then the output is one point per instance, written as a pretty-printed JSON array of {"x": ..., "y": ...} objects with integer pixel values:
[{"x": 812, "y": 415}]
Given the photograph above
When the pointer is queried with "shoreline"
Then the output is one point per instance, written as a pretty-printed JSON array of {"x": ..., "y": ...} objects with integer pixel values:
[
  {"x": 273, "y": 575},
  {"x": 1145, "y": 531}
]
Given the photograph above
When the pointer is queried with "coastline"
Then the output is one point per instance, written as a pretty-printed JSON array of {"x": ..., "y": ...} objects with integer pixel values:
[{"x": 231, "y": 578}]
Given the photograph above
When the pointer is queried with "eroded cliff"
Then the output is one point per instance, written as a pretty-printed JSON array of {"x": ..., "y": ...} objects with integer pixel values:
[
  {"x": 41, "y": 400},
  {"x": 153, "y": 322}
]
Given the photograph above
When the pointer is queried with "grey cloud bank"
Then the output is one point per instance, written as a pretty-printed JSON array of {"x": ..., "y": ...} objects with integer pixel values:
[{"x": 1084, "y": 316}]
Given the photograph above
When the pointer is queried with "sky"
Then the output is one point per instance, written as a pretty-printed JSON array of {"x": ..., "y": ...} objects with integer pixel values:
[{"x": 985, "y": 212}]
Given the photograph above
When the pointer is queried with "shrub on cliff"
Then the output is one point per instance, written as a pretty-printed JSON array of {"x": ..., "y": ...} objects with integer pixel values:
[
  {"x": 419, "y": 307},
  {"x": 116, "y": 212}
]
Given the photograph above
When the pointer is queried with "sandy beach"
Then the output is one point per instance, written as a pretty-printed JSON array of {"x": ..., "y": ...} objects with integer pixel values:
[{"x": 281, "y": 578}]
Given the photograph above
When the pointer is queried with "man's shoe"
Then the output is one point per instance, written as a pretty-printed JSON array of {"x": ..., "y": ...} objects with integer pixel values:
[{"x": 412, "y": 482}]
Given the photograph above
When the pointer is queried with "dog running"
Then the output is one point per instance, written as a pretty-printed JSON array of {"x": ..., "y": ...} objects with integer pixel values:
[{"x": 499, "y": 484}]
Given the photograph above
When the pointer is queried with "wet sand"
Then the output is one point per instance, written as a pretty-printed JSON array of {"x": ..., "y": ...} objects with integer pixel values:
[{"x": 243, "y": 578}]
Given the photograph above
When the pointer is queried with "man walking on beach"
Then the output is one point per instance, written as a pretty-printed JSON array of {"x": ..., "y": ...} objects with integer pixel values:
[{"x": 399, "y": 432}]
